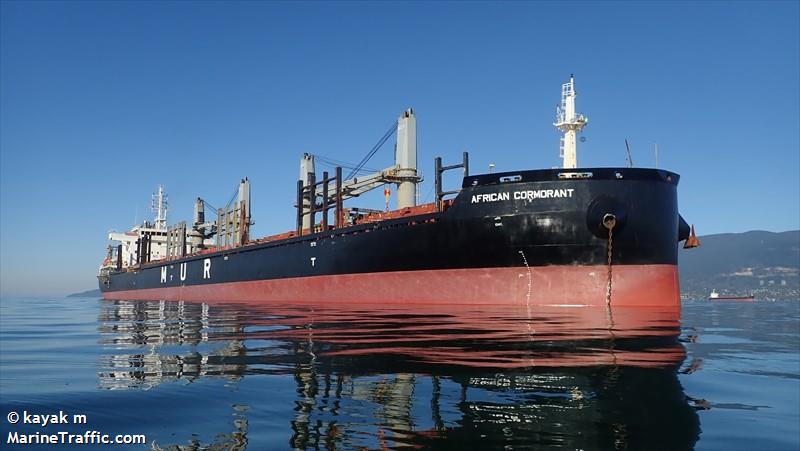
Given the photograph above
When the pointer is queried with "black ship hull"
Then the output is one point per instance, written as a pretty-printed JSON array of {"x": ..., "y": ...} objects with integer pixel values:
[{"x": 531, "y": 237}]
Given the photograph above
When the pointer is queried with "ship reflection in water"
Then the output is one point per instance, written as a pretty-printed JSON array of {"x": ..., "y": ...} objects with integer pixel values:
[{"x": 421, "y": 376}]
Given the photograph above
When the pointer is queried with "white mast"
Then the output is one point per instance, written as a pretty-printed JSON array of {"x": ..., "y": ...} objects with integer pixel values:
[
  {"x": 159, "y": 207},
  {"x": 406, "y": 159},
  {"x": 569, "y": 122},
  {"x": 306, "y": 170}
]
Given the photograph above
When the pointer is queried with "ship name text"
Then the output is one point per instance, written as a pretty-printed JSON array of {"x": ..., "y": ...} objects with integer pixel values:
[{"x": 528, "y": 195}]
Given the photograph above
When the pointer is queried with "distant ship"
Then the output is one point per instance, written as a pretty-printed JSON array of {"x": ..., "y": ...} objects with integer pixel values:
[
  {"x": 714, "y": 296},
  {"x": 563, "y": 236}
]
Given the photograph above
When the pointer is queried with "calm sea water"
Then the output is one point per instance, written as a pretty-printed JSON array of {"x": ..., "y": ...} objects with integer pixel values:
[{"x": 721, "y": 376}]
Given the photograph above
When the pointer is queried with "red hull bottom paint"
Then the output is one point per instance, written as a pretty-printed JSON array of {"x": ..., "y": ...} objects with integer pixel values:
[{"x": 632, "y": 285}]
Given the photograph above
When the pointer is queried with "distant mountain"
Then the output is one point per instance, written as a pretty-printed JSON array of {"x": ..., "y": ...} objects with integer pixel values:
[
  {"x": 86, "y": 294},
  {"x": 766, "y": 264}
]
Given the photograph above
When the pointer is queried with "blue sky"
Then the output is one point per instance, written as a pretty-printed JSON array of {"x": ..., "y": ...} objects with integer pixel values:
[{"x": 100, "y": 102}]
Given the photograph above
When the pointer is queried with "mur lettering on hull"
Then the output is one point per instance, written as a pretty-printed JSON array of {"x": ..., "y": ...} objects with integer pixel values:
[
  {"x": 529, "y": 195},
  {"x": 183, "y": 268}
]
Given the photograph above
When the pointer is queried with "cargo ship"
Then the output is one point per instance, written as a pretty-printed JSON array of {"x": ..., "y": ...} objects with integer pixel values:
[
  {"x": 714, "y": 296},
  {"x": 563, "y": 236}
]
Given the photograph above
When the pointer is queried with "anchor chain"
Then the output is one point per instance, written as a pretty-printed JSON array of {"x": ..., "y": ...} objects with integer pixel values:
[
  {"x": 609, "y": 221},
  {"x": 530, "y": 284}
]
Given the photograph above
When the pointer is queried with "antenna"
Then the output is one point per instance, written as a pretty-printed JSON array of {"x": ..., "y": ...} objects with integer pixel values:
[
  {"x": 569, "y": 122},
  {"x": 628, "y": 148},
  {"x": 656, "y": 150}
]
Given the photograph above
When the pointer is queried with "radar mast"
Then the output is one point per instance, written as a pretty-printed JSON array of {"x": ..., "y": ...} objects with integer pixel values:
[
  {"x": 569, "y": 122},
  {"x": 159, "y": 207}
]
